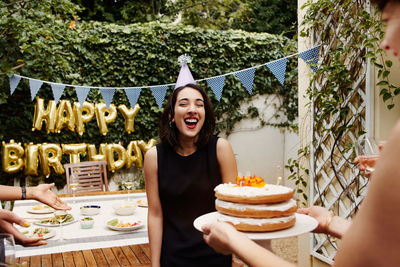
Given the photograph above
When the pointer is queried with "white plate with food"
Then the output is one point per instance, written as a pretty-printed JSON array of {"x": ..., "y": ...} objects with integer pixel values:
[
  {"x": 53, "y": 222},
  {"x": 40, "y": 209},
  {"x": 142, "y": 203},
  {"x": 128, "y": 225},
  {"x": 44, "y": 232}
]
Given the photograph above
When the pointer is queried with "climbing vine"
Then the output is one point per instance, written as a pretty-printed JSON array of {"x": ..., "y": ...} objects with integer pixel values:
[
  {"x": 349, "y": 39},
  {"x": 349, "y": 34}
]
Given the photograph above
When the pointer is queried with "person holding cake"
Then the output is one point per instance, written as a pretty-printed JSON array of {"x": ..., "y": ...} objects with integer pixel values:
[
  {"x": 373, "y": 238},
  {"x": 181, "y": 173}
]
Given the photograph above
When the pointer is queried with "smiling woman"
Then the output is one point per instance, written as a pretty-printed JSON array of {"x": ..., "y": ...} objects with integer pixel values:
[
  {"x": 194, "y": 100},
  {"x": 181, "y": 174}
]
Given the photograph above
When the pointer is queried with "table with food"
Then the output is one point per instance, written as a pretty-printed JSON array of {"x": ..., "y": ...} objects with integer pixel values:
[{"x": 96, "y": 221}]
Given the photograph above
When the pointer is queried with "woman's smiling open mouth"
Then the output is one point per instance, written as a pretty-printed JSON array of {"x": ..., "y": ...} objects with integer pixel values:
[{"x": 191, "y": 122}]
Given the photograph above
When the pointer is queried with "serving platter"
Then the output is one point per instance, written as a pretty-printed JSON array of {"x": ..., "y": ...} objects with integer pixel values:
[
  {"x": 47, "y": 223},
  {"x": 49, "y": 234},
  {"x": 40, "y": 209},
  {"x": 304, "y": 224},
  {"x": 113, "y": 225}
]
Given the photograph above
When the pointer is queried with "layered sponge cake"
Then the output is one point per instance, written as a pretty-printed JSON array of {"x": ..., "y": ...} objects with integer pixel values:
[{"x": 253, "y": 206}]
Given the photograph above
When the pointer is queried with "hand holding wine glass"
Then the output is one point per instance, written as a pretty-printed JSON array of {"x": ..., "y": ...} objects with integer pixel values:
[{"x": 367, "y": 150}]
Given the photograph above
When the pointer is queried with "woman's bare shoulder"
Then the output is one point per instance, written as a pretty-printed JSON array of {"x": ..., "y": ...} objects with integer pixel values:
[{"x": 151, "y": 153}]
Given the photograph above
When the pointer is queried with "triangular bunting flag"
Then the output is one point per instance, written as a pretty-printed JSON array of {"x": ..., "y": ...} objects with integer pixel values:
[
  {"x": 278, "y": 68},
  {"x": 34, "y": 85},
  {"x": 108, "y": 94},
  {"x": 133, "y": 95},
  {"x": 82, "y": 92},
  {"x": 14, "y": 81},
  {"x": 311, "y": 57},
  {"x": 159, "y": 94},
  {"x": 217, "y": 85},
  {"x": 247, "y": 78},
  {"x": 58, "y": 90}
]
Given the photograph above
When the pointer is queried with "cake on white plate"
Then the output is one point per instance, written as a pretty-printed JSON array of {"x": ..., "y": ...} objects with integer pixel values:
[{"x": 251, "y": 205}]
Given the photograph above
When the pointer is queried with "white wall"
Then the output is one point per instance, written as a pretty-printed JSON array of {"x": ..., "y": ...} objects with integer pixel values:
[
  {"x": 386, "y": 119},
  {"x": 260, "y": 150}
]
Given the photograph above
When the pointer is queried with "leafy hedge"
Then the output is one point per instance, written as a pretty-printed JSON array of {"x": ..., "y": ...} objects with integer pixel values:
[{"x": 44, "y": 41}]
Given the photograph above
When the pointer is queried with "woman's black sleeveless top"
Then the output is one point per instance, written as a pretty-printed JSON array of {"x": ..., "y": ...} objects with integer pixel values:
[{"x": 186, "y": 189}]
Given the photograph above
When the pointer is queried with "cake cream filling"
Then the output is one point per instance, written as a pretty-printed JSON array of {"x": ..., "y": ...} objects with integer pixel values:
[
  {"x": 250, "y": 191},
  {"x": 259, "y": 207},
  {"x": 252, "y": 221}
]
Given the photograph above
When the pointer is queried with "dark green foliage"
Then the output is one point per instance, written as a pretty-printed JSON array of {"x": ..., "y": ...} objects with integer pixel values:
[
  {"x": 121, "y": 11},
  {"x": 44, "y": 41},
  {"x": 272, "y": 16}
]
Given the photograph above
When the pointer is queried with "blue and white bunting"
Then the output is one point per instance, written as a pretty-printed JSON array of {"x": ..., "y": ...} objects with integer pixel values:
[
  {"x": 108, "y": 95},
  {"x": 133, "y": 95},
  {"x": 217, "y": 85},
  {"x": 278, "y": 68},
  {"x": 247, "y": 78},
  {"x": 34, "y": 85},
  {"x": 82, "y": 92},
  {"x": 311, "y": 57},
  {"x": 58, "y": 90},
  {"x": 159, "y": 93},
  {"x": 14, "y": 81}
]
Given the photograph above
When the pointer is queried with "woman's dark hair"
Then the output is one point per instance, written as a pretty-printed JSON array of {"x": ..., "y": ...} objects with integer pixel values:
[
  {"x": 380, "y": 3},
  {"x": 168, "y": 131}
]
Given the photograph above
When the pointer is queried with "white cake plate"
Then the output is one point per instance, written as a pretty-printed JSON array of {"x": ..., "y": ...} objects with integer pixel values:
[{"x": 304, "y": 224}]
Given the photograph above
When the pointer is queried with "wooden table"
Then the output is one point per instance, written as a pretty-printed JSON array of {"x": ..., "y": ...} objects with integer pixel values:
[
  {"x": 135, "y": 255},
  {"x": 132, "y": 255}
]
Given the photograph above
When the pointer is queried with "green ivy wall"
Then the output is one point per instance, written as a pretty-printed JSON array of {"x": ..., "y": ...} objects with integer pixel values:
[{"x": 50, "y": 45}]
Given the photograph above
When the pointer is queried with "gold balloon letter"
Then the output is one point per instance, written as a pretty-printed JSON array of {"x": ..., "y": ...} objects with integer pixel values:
[
  {"x": 31, "y": 159},
  {"x": 74, "y": 150},
  {"x": 113, "y": 164},
  {"x": 145, "y": 147},
  {"x": 129, "y": 116},
  {"x": 41, "y": 114},
  {"x": 50, "y": 156},
  {"x": 92, "y": 154},
  {"x": 83, "y": 115},
  {"x": 65, "y": 115},
  {"x": 137, "y": 158},
  {"x": 12, "y": 157},
  {"x": 103, "y": 119}
]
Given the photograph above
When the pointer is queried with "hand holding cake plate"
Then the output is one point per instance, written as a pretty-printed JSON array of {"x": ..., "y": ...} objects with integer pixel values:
[{"x": 304, "y": 224}]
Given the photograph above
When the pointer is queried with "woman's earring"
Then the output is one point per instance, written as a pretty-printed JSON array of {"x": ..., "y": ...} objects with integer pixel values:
[{"x": 170, "y": 124}]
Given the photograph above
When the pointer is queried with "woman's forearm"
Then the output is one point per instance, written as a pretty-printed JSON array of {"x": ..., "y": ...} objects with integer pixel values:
[
  {"x": 15, "y": 192},
  {"x": 338, "y": 226},
  {"x": 155, "y": 238},
  {"x": 10, "y": 192},
  {"x": 253, "y": 254}
]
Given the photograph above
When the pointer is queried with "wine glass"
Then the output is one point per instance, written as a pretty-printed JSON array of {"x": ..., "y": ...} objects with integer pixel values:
[
  {"x": 60, "y": 217},
  {"x": 128, "y": 183},
  {"x": 7, "y": 250},
  {"x": 278, "y": 174},
  {"x": 367, "y": 150},
  {"x": 74, "y": 183}
]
